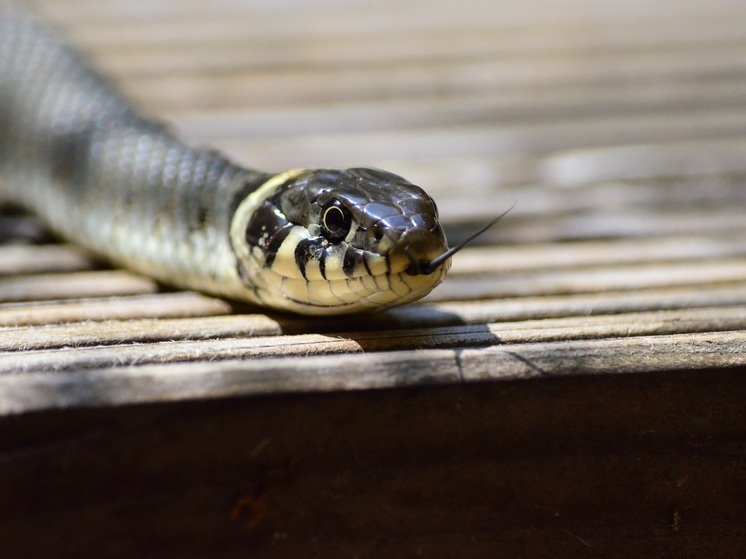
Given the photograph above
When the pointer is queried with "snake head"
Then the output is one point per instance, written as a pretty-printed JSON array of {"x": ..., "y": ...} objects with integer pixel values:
[{"x": 339, "y": 241}]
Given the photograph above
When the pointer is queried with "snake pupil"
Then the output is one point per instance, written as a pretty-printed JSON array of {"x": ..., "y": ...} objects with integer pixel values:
[{"x": 335, "y": 221}]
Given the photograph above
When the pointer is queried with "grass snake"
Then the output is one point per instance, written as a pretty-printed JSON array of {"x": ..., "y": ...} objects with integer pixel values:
[{"x": 102, "y": 175}]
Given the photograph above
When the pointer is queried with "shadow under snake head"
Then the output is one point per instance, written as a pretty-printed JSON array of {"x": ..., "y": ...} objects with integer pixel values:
[{"x": 339, "y": 241}]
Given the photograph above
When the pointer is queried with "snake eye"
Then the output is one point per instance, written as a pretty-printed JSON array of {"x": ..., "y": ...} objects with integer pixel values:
[{"x": 335, "y": 221}]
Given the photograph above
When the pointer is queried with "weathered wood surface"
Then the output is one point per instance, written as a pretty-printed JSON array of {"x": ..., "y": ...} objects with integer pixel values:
[
  {"x": 176, "y": 424},
  {"x": 611, "y": 466}
]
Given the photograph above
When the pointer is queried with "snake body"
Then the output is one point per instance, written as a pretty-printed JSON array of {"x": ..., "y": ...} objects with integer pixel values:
[{"x": 100, "y": 174}]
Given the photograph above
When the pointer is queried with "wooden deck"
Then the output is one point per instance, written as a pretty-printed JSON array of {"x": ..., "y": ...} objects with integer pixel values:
[{"x": 142, "y": 422}]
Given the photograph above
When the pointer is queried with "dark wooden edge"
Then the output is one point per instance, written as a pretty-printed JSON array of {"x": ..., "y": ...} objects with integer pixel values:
[{"x": 637, "y": 465}]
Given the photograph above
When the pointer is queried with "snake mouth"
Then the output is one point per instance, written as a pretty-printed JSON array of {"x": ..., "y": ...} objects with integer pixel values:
[{"x": 425, "y": 267}]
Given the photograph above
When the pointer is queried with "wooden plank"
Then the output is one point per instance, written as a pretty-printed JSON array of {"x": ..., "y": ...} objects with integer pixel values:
[
  {"x": 565, "y": 467},
  {"x": 205, "y": 379},
  {"x": 234, "y": 49},
  {"x": 525, "y": 308},
  {"x": 278, "y": 87},
  {"x": 243, "y": 326},
  {"x": 603, "y": 99},
  {"x": 255, "y": 338},
  {"x": 628, "y": 222},
  {"x": 17, "y": 260},
  {"x": 489, "y": 140},
  {"x": 600, "y": 279},
  {"x": 638, "y": 173},
  {"x": 74, "y": 285},
  {"x": 291, "y": 20},
  {"x": 109, "y": 308},
  {"x": 553, "y": 256},
  {"x": 138, "y": 331}
]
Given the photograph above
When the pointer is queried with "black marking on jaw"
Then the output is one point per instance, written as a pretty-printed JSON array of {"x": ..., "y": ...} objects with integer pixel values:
[
  {"x": 351, "y": 258},
  {"x": 322, "y": 265},
  {"x": 308, "y": 249},
  {"x": 365, "y": 263},
  {"x": 267, "y": 229},
  {"x": 264, "y": 224},
  {"x": 274, "y": 243}
]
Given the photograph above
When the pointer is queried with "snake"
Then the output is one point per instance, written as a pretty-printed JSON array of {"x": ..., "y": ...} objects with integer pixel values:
[{"x": 104, "y": 176}]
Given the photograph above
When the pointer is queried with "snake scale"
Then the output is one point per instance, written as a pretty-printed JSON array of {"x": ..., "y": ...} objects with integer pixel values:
[{"x": 100, "y": 174}]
